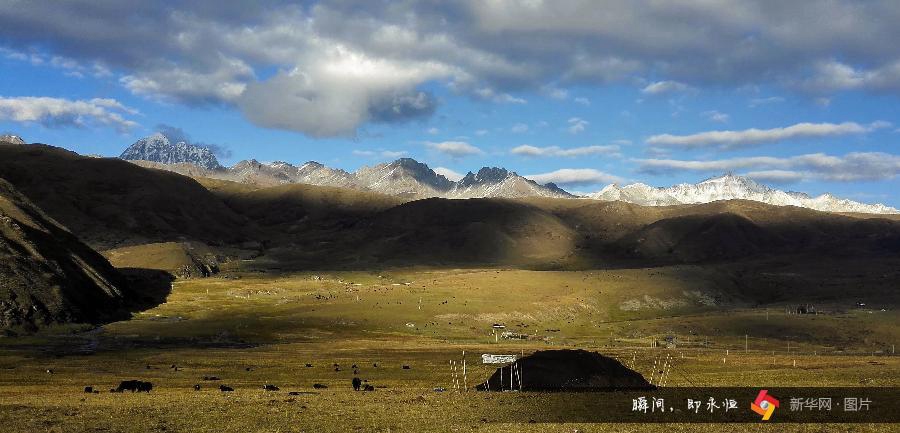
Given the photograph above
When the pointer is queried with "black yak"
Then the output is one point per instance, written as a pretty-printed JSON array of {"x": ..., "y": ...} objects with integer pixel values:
[
  {"x": 357, "y": 383},
  {"x": 268, "y": 387},
  {"x": 134, "y": 386},
  {"x": 225, "y": 388}
]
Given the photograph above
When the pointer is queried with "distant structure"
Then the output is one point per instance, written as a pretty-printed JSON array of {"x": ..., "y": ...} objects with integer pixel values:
[{"x": 806, "y": 309}]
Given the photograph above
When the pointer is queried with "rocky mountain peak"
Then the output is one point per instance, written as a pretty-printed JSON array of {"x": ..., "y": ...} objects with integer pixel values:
[
  {"x": 11, "y": 139},
  {"x": 485, "y": 175},
  {"x": 158, "y": 148}
]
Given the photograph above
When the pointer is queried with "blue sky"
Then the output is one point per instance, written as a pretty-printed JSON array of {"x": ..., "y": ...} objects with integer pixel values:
[{"x": 575, "y": 97}]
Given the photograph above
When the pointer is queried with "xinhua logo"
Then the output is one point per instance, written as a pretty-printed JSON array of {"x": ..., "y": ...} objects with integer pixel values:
[{"x": 764, "y": 405}]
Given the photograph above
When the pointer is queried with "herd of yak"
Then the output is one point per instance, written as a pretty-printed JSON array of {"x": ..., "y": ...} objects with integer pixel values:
[{"x": 142, "y": 386}]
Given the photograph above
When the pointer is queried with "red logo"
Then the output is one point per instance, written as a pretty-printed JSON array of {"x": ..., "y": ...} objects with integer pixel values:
[{"x": 764, "y": 405}]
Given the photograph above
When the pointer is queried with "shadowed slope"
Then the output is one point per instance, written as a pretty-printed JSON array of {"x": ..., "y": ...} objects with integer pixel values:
[
  {"x": 488, "y": 231},
  {"x": 109, "y": 202},
  {"x": 47, "y": 275}
]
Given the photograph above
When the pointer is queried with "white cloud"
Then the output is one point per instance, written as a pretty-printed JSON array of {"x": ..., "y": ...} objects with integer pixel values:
[
  {"x": 327, "y": 68},
  {"x": 499, "y": 97},
  {"x": 225, "y": 83},
  {"x": 448, "y": 173},
  {"x": 855, "y": 166},
  {"x": 577, "y": 125},
  {"x": 481, "y": 132},
  {"x": 582, "y": 100},
  {"x": 716, "y": 116},
  {"x": 664, "y": 88},
  {"x": 832, "y": 76},
  {"x": 775, "y": 176},
  {"x": 528, "y": 150},
  {"x": 555, "y": 92},
  {"x": 390, "y": 154},
  {"x": 756, "y": 102},
  {"x": 55, "y": 112},
  {"x": 393, "y": 153},
  {"x": 433, "y": 131},
  {"x": 747, "y": 137},
  {"x": 575, "y": 176},
  {"x": 454, "y": 148},
  {"x": 519, "y": 128}
]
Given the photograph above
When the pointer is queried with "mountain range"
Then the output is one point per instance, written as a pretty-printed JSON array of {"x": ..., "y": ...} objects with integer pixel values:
[
  {"x": 58, "y": 206},
  {"x": 411, "y": 179},
  {"x": 731, "y": 187}
]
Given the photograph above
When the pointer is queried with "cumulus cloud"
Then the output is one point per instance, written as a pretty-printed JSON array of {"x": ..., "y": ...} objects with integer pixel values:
[
  {"x": 455, "y": 149},
  {"x": 754, "y": 136},
  {"x": 335, "y": 98},
  {"x": 577, "y": 125},
  {"x": 327, "y": 68},
  {"x": 534, "y": 151},
  {"x": 664, "y": 88},
  {"x": 855, "y": 166},
  {"x": 775, "y": 176},
  {"x": 831, "y": 76},
  {"x": 448, "y": 173},
  {"x": 575, "y": 176},
  {"x": 59, "y": 112},
  {"x": 716, "y": 116}
]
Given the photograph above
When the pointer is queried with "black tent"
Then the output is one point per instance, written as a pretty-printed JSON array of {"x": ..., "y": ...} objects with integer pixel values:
[{"x": 565, "y": 370}]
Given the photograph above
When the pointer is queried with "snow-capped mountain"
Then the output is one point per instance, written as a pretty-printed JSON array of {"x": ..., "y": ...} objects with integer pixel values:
[
  {"x": 731, "y": 187},
  {"x": 499, "y": 182},
  {"x": 158, "y": 148},
  {"x": 11, "y": 139},
  {"x": 404, "y": 177}
]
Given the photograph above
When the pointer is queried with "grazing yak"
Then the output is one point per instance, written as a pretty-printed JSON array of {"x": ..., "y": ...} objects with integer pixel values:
[
  {"x": 368, "y": 388},
  {"x": 268, "y": 387},
  {"x": 134, "y": 386},
  {"x": 89, "y": 390},
  {"x": 357, "y": 383},
  {"x": 225, "y": 388},
  {"x": 319, "y": 386}
]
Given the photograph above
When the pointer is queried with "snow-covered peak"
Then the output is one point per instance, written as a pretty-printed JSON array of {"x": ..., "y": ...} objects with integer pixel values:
[
  {"x": 11, "y": 139},
  {"x": 731, "y": 187}
]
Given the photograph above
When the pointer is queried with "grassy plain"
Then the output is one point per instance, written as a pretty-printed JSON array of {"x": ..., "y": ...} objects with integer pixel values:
[{"x": 250, "y": 328}]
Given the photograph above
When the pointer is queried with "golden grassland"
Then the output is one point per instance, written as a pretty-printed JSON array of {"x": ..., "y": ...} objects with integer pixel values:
[{"x": 254, "y": 328}]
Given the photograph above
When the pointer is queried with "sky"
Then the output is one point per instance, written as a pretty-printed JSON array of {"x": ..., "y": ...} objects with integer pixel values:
[{"x": 799, "y": 95}]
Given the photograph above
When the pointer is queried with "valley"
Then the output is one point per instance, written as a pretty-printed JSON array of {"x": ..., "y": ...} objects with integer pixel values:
[
  {"x": 251, "y": 328},
  {"x": 249, "y": 283}
]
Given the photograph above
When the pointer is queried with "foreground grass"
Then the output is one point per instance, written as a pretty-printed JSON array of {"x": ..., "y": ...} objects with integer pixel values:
[{"x": 265, "y": 328}]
